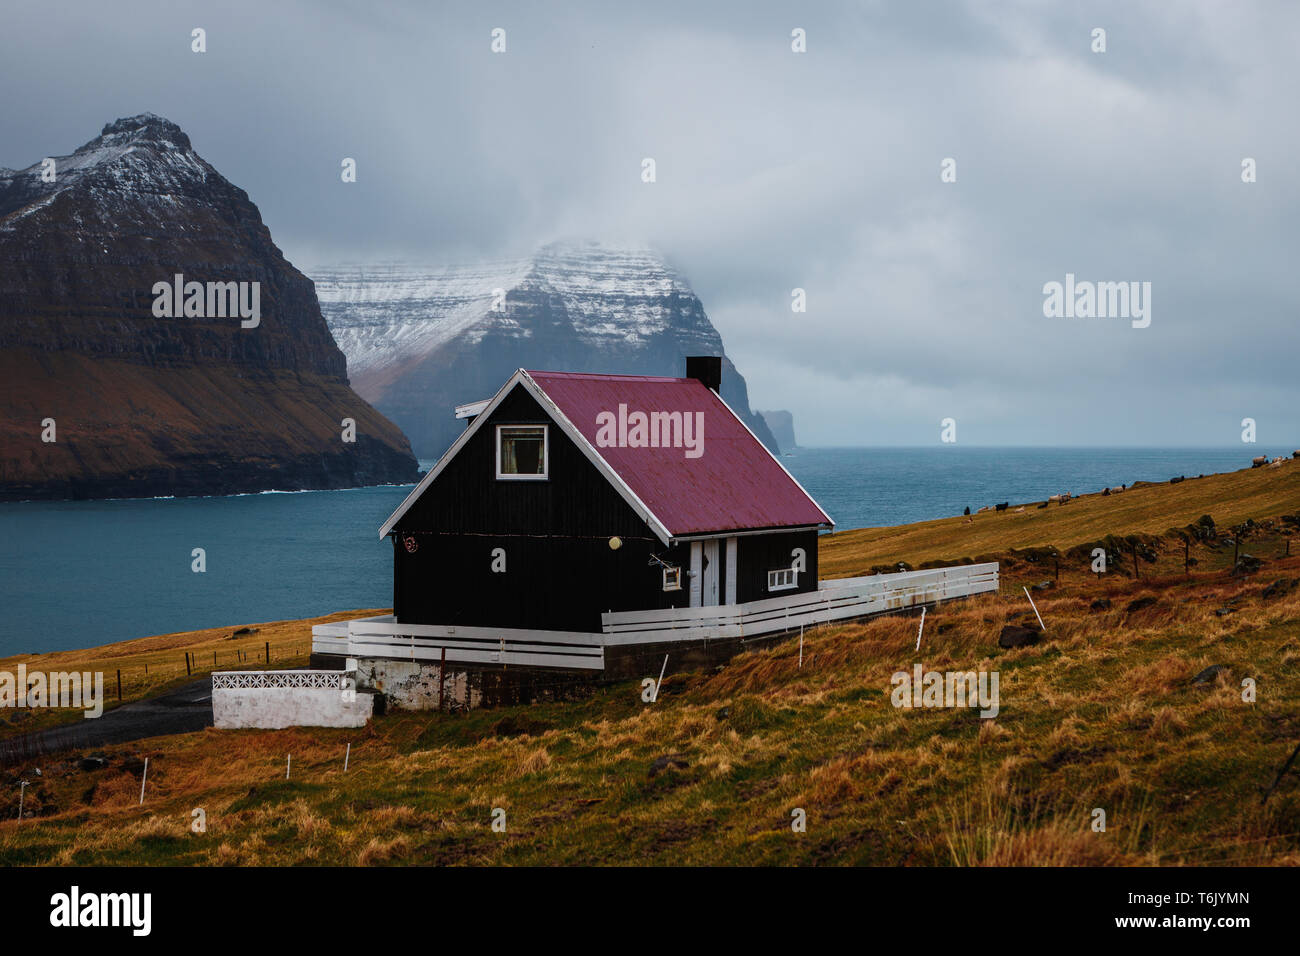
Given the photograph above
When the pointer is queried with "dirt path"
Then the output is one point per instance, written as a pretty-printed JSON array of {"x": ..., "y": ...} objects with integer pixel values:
[{"x": 180, "y": 711}]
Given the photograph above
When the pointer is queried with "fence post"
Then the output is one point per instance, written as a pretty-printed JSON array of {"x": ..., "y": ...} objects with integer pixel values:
[
  {"x": 187, "y": 663},
  {"x": 119, "y": 683},
  {"x": 442, "y": 679},
  {"x": 268, "y": 653}
]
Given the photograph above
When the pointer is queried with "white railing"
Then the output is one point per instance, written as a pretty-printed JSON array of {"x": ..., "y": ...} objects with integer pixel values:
[
  {"x": 382, "y": 637},
  {"x": 834, "y": 600},
  {"x": 333, "y": 638},
  {"x": 236, "y": 680}
]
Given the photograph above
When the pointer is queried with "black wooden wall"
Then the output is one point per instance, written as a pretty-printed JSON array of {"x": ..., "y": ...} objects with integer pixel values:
[{"x": 757, "y": 554}]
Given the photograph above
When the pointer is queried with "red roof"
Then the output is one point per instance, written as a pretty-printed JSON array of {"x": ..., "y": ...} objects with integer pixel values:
[{"x": 733, "y": 484}]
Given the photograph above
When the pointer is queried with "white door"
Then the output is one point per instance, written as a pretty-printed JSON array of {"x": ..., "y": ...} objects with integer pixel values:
[
  {"x": 731, "y": 571},
  {"x": 697, "y": 577},
  {"x": 712, "y": 574}
]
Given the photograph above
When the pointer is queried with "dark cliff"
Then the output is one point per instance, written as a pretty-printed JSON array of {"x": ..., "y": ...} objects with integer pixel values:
[{"x": 147, "y": 405}]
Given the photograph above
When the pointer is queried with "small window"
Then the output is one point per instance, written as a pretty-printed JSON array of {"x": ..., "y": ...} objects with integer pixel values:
[
  {"x": 522, "y": 452},
  {"x": 672, "y": 579},
  {"x": 783, "y": 579}
]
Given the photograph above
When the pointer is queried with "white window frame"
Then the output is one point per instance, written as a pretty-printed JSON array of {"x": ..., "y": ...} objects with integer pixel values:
[
  {"x": 546, "y": 454},
  {"x": 775, "y": 579},
  {"x": 672, "y": 579}
]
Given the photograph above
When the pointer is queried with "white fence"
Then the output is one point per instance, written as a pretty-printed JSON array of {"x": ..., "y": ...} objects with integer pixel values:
[
  {"x": 834, "y": 600},
  {"x": 382, "y": 637}
]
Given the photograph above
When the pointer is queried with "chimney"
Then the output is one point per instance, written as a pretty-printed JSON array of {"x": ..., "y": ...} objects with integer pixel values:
[{"x": 707, "y": 368}]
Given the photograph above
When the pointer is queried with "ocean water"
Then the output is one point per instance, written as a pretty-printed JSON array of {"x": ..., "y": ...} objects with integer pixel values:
[{"x": 78, "y": 574}]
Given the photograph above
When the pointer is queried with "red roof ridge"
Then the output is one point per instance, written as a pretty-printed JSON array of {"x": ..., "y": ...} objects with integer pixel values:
[{"x": 602, "y": 376}]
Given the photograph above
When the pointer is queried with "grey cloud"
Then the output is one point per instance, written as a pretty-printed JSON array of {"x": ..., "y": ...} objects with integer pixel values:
[{"x": 775, "y": 171}]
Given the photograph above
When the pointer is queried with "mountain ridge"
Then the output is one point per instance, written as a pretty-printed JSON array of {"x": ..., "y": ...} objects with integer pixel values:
[
  {"x": 421, "y": 340},
  {"x": 146, "y": 405}
]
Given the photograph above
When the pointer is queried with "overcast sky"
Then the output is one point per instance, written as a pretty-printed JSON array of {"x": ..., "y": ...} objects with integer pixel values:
[{"x": 778, "y": 170}]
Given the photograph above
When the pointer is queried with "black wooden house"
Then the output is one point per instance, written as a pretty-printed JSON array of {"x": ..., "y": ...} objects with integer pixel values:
[{"x": 569, "y": 495}]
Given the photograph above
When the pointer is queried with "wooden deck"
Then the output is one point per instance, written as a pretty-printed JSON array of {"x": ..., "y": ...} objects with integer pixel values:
[{"x": 838, "y": 599}]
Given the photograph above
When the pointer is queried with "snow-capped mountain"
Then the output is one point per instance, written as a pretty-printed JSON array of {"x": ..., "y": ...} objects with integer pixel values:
[
  {"x": 420, "y": 341},
  {"x": 146, "y": 403}
]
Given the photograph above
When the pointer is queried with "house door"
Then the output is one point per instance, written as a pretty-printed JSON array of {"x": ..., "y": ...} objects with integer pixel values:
[{"x": 712, "y": 573}]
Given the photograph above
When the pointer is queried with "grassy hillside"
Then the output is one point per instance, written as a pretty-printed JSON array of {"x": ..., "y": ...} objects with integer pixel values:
[
  {"x": 1143, "y": 509},
  {"x": 1102, "y": 714}
]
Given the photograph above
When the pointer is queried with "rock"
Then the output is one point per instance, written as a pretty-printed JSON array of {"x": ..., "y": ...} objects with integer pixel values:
[
  {"x": 1223, "y": 612},
  {"x": 781, "y": 423},
  {"x": 245, "y": 630},
  {"x": 519, "y": 726},
  {"x": 1001, "y": 507},
  {"x": 1209, "y": 675},
  {"x": 133, "y": 765},
  {"x": 722, "y": 713},
  {"x": 1016, "y": 635},
  {"x": 93, "y": 763},
  {"x": 1140, "y": 604},
  {"x": 1247, "y": 564},
  {"x": 1100, "y": 604},
  {"x": 1278, "y": 588},
  {"x": 1042, "y": 586},
  {"x": 668, "y": 762}
]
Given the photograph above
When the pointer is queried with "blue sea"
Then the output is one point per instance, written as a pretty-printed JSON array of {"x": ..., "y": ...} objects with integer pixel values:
[{"x": 78, "y": 574}]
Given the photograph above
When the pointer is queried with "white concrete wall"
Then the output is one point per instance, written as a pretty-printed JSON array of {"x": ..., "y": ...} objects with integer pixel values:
[{"x": 272, "y": 708}]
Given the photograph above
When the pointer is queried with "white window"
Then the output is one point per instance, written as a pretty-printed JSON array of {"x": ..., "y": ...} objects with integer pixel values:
[
  {"x": 783, "y": 579},
  {"x": 522, "y": 453},
  {"x": 672, "y": 579}
]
